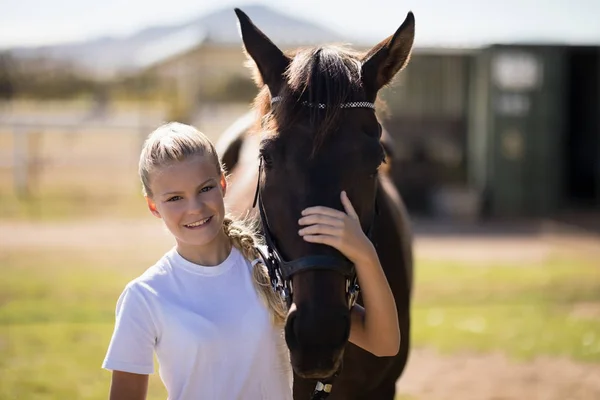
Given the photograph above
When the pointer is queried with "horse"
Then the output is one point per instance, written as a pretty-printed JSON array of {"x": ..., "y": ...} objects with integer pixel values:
[{"x": 318, "y": 135}]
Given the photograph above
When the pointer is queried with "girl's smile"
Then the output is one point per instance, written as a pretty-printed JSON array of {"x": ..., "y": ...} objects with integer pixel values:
[{"x": 199, "y": 223}]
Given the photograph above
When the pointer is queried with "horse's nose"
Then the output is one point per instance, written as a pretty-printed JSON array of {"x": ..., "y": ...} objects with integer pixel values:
[{"x": 314, "y": 327}]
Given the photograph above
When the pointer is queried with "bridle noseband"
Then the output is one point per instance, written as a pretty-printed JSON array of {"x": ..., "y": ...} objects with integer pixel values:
[{"x": 281, "y": 270}]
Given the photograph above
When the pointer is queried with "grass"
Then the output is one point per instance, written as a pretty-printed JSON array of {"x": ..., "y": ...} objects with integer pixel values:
[
  {"x": 57, "y": 315},
  {"x": 56, "y": 319},
  {"x": 524, "y": 311}
]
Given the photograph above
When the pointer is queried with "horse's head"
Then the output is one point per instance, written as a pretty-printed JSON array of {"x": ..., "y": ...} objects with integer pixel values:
[{"x": 321, "y": 136}]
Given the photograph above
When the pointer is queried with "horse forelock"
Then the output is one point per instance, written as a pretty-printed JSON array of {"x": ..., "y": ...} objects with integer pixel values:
[{"x": 327, "y": 75}]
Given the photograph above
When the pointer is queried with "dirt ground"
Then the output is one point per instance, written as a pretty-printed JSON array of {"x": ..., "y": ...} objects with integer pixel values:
[{"x": 429, "y": 375}]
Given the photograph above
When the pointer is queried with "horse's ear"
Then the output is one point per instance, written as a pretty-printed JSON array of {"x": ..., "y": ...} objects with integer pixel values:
[
  {"x": 388, "y": 57},
  {"x": 269, "y": 59}
]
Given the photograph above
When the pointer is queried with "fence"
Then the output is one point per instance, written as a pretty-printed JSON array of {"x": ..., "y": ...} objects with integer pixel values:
[{"x": 73, "y": 152}]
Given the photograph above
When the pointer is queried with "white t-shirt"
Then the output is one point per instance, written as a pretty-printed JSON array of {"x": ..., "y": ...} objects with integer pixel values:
[{"x": 212, "y": 334}]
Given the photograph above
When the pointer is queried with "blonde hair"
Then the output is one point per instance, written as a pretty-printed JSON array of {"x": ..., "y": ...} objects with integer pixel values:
[{"x": 176, "y": 142}]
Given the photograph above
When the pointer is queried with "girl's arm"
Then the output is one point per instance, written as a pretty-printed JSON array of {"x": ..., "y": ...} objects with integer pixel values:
[
  {"x": 128, "y": 386},
  {"x": 377, "y": 330},
  {"x": 374, "y": 328}
]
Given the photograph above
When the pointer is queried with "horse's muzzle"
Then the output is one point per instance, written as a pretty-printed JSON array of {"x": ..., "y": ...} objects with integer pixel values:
[{"x": 316, "y": 340}]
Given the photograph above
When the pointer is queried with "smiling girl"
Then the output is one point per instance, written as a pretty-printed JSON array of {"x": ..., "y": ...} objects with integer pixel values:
[{"x": 206, "y": 308}]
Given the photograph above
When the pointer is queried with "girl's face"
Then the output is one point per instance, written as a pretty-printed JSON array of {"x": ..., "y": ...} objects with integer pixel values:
[{"x": 188, "y": 196}]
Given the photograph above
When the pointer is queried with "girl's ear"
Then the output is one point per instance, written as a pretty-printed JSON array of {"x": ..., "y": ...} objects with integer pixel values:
[
  {"x": 152, "y": 207},
  {"x": 223, "y": 184}
]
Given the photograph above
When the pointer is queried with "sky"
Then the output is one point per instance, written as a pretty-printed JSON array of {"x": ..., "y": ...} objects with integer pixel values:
[{"x": 39, "y": 22}]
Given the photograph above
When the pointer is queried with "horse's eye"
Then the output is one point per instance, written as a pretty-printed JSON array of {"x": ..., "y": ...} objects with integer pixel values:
[{"x": 266, "y": 159}]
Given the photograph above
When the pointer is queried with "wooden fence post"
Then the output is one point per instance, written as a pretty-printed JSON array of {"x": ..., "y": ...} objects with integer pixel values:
[
  {"x": 20, "y": 169},
  {"x": 26, "y": 156}
]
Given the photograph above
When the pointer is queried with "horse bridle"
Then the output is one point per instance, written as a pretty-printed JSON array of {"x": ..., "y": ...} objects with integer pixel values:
[{"x": 281, "y": 270}]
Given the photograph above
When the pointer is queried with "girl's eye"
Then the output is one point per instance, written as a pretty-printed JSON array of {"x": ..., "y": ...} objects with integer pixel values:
[
  {"x": 206, "y": 189},
  {"x": 174, "y": 198}
]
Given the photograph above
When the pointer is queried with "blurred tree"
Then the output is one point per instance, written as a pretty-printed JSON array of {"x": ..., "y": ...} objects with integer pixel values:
[
  {"x": 233, "y": 88},
  {"x": 142, "y": 86},
  {"x": 7, "y": 88},
  {"x": 43, "y": 78}
]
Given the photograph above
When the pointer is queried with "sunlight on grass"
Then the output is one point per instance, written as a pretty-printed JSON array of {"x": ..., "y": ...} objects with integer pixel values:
[
  {"x": 56, "y": 319},
  {"x": 58, "y": 361},
  {"x": 524, "y": 311}
]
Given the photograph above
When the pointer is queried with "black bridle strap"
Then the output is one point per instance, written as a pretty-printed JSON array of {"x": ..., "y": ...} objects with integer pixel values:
[
  {"x": 341, "y": 266},
  {"x": 290, "y": 268},
  {"x": 260, "y": 167}
]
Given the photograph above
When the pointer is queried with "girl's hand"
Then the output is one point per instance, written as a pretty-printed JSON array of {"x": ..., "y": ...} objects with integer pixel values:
[
  {"x": 376, "y": 330},
  {"x": 337, "y": 229}
]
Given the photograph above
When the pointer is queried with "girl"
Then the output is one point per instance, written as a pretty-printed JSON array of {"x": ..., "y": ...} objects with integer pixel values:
[{"x": 206, "y": 308}]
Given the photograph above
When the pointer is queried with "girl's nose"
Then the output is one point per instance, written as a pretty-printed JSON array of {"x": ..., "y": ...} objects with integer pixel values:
[{"x": 197, "y": 205}]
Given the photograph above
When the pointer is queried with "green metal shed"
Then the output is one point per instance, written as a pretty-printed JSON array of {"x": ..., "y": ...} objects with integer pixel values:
[{"x": 534, "y": 129}]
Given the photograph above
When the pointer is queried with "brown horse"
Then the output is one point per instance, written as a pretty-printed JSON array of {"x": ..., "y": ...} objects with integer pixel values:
[{"x": 319, "y": 135}]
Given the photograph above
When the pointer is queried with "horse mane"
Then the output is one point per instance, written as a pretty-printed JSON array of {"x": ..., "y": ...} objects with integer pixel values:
[{"x": 329, "y": 75}]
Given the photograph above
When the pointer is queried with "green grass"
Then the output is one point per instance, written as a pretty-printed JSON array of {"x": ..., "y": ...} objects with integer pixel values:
[
  {"x": 56, "y": 319},
  {"x": 522, "y": 310},
  {"x": 57, "y": 315}
]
